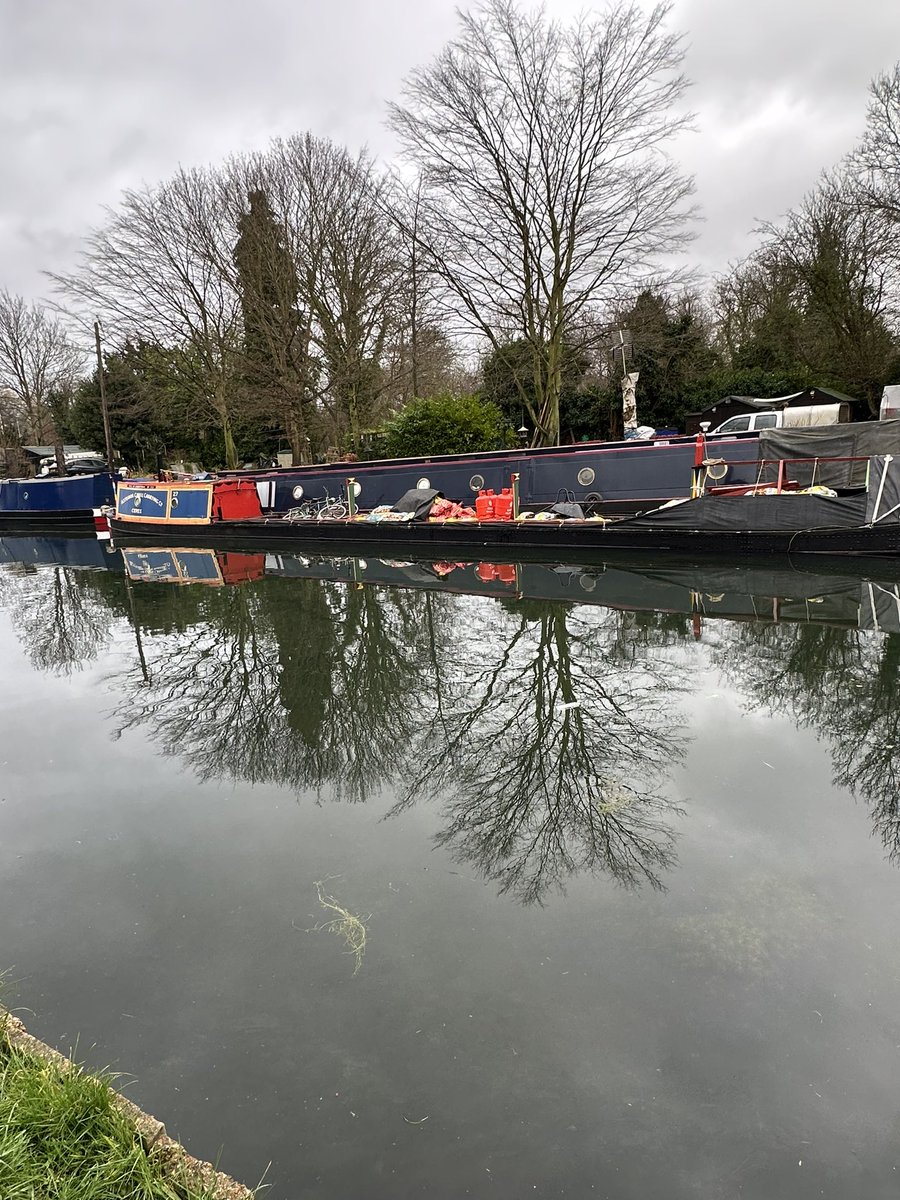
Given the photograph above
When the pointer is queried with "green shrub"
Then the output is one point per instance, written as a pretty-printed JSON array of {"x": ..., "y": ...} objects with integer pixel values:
[{"x": 447, "y": 425}]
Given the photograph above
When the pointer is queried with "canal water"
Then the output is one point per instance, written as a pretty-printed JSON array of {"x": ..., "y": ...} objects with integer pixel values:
[{"x": 386, "y": 879}]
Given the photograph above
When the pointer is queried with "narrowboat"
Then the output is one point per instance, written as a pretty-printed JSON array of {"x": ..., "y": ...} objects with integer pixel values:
[
  {"x": 778, "y": 514},
  {"x": 70, "y": 502},
  {"x": 612, "y": 478}
]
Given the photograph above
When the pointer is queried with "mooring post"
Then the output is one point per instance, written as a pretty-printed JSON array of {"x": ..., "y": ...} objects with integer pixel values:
[
  {"x": 515, "y": 492},
  {"x": 351, "y": 497}
]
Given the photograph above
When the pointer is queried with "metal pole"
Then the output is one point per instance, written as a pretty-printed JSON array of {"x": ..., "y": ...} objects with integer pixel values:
[
  {"x": 107, "y": 432},
  {"x": 351, "y": 496},
  {"x": 515, "y": 494}
]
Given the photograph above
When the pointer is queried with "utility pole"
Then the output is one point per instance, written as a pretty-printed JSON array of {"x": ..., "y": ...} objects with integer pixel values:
[{"x": 107, "y": 432}]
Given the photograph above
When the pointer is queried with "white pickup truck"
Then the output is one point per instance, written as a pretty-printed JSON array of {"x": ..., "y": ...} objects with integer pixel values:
[{"x": 786, "y": 418}]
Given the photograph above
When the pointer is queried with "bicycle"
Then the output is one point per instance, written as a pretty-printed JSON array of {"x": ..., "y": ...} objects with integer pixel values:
[{"x": 323, "y": 508}]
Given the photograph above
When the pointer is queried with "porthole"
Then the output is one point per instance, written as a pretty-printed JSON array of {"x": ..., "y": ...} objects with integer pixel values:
[
  {"x": 24, "y": 495},
  {"x": 586, "y": 476},
  {"x": 357, "y": 488},
  {"x": 297, "y": 493},
  {"x": 423, "y": 483},
  {"x": 587, "y": 583},
  {"x": 476, "y": 483}
]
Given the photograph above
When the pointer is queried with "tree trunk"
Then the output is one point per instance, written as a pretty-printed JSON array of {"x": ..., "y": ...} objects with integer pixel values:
[{"x": 297, "y": 436}]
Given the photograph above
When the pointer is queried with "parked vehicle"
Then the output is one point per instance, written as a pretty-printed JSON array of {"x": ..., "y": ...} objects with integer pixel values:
[
  {"x": 788, "y": 418},
  {"x": 890, "y": 403}
]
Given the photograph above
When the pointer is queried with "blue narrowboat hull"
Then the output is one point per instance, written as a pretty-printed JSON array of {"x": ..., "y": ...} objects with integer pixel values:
[
  {"x": 614, "y": 478},
  {"x": 53, "y": 503}
]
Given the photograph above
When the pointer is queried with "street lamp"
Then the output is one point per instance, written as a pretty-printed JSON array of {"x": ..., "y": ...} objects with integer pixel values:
[{"x": 522, "y": 431}]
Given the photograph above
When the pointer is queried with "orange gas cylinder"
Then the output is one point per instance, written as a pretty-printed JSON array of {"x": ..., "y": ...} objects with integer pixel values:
[
  {"x": 484, "y": 505},
  {"x": 486, "y": 572},
  {"x": 506, "y": 573},
  {"x": 503, "y": 506}
]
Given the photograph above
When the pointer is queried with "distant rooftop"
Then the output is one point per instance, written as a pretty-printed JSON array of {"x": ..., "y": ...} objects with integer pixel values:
[{"x": 49, "y": 451}]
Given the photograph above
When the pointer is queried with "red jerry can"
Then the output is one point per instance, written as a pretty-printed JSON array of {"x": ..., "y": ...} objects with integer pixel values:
[
  {"x": 503, "y": 506},
  {"x": 484, "y": 505}
]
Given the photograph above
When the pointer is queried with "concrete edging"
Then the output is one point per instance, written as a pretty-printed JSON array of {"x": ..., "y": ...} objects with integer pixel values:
[{"x": 170, "y": 1154}]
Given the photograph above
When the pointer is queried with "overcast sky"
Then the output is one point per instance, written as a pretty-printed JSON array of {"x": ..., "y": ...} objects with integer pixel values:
[{"x": 102, "y": 94}]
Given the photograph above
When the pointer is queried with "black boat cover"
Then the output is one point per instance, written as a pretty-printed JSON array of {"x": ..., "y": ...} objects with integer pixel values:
[
  {"x": 860, "y": 439},
  {"x": 419, "y": 501},
  {"x": 789, "y": 511},
  {"x": 883, "y": 507}
]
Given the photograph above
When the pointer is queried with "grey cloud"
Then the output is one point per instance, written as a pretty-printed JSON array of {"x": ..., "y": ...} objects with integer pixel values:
[{"x": 106, "y": 94}]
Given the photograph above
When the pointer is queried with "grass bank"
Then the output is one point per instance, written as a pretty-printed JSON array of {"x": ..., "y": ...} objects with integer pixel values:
[{"x": 67, "y": 1135}]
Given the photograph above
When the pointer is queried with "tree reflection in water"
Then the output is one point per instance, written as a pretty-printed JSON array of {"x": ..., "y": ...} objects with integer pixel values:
[
  {"x": 549, "y": 742},
  {"x": 846, "y": 685},
  {"x": 545, "y": 730},
  {"x": 296, "y": 682},
  {"x": 59, "y": 618}
]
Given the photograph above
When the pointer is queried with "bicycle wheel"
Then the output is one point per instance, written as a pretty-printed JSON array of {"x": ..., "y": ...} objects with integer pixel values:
[{"x": 333, "y": 512}]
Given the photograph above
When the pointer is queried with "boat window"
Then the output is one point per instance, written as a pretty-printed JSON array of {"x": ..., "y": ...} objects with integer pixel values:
[{"x": 766, "y": 421}]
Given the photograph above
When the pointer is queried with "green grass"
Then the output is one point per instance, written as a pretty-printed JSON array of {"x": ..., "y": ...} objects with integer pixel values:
[{"x": 62, "y": 1138}]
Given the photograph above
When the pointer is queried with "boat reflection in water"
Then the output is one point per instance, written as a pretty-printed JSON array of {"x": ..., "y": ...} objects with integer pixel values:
[
  {"x": 751, "y": 593},
  {"x": 211, "y": 567}
]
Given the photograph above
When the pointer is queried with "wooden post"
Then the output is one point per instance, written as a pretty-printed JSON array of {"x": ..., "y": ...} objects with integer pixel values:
[
  {"x": 515, "y": 492},
  {"x": 351, "y": 497},
  {"x": 107, "y": 432}
]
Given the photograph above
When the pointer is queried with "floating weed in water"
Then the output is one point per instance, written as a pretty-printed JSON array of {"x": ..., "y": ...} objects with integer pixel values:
[
  {"x": 616, "y": 795},
  {"x": 347, "y": 925}
]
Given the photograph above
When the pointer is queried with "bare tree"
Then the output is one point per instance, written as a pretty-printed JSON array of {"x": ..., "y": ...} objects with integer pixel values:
[
  {"x": 152, "y": 274},
  {"x": 816, "y": 298},
  {"x": 878, "y": 156},
  {"x": 335, "y": 211},
  {"x": 37, "y": 361},
  {"x": 545, "y": 184}
]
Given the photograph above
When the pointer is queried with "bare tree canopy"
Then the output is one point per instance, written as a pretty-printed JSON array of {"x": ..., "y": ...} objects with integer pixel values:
[
  {"x": 878, "y": 156},
  {"x": 151, "y": 274},
  {"x": 37, "y": 360},
  {"x": 545, "y": 185}
]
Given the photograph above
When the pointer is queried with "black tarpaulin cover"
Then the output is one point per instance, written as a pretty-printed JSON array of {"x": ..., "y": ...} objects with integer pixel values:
[
  {"x": 789, "y": 511},
  {"x": 858, "y": 439},
  {"x": 883, "y": 506},
  {"x": 417, "y": 501}
]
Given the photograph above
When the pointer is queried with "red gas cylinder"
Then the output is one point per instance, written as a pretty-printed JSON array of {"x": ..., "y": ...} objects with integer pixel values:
[
  {"x": 486, "y": 572},
  {"x": 484, "y": 505},
  {"x": 506, "y": 573},
  {"x": 503, "y": 506}
]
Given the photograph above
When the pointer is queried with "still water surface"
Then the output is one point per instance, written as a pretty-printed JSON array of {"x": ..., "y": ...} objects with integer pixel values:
[{"x": 628, "y": 877}]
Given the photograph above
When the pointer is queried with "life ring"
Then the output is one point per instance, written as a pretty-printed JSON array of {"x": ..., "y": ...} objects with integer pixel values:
[{"x": 716, "y": 469}]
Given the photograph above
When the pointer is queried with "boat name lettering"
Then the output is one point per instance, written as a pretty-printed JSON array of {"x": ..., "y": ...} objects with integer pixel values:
[{"x": 138, "y": 497}]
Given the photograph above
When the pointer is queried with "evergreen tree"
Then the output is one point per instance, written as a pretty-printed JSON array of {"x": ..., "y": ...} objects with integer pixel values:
[{"x": 277, "y": 369}]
